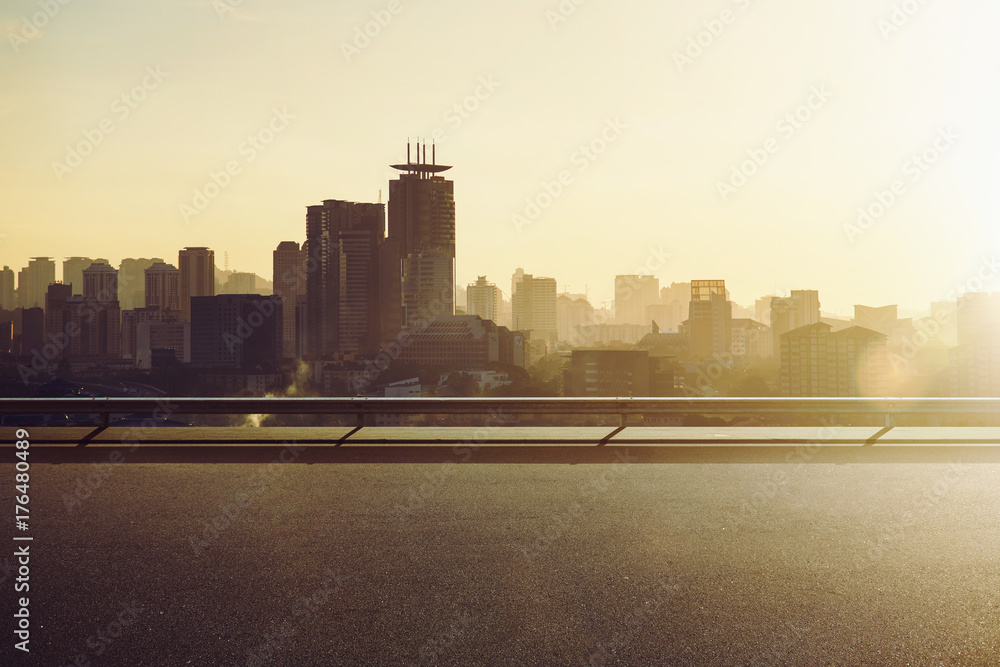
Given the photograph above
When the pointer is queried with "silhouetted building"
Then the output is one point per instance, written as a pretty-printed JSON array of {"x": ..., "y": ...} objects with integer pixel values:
[
  {"x": 236, "y": 331},
  {"x": 100, "y": 282},
  {"x": 458, "y": 341},
  {"x": 197, "y": 267},
  {"x": 608, "y": 373},
  {"x": 241, "y": 283},
  {"x": 633, "y": 294},
  {"x": 289, "y": 280},
  {"x": 818, "y": 362},
  {"x": 343, "y": 280},
  {"x": 8, "y": 290},
  {"x": 162, "y": 287},
  {"x": 418, "y": 256},
  {"x": 72, "y": 271},
  {"x": 709, "y": 323},
  {"x": 32, "y": 330},
  {"x": 793, "y": 312},
  {"x": 56, "y": 317},
  {"x": 482, "y": 299},
  {"x": 33, "y": 280},
  {"x": 132, "y": 281}
]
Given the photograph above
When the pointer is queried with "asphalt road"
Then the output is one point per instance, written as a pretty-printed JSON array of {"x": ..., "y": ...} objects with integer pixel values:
[{"x": 457, "y": 561}]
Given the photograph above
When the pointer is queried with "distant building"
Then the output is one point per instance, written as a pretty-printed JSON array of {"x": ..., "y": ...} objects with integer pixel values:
[
  {"x": 197, "y": 267},
  {"x": 483, "y": 299},
  {"x": 588, "y": 335},
  {"x": 33, "y": 281},
  {"x": 8, "y": 289},
  {"x": 975, "y": 362},
  {"x": 236, "y": 331},
  {"x": 458, "y": 341},
  {"x": 534, "y": 306},
  {"x": 572, "y": 311},
  {"x": 100, "y": 282},
  {"x": 72, "y": 271},
  {"x": 289, "y": 280},
  {"x": 132, "y": 281},
  {"x": 793, "y": 312},
  {"x": 418, "y": 255},
  {"x": 343, "y": 284},
  {"x": 241, "y": 283},
  {"x": 818, "y": 362},
  {"x": 709, "y": 323},
  {"x": 751, "y": 340},
  {"x": 633, "y": 295},
  {"x": 162, "y": 287},
  {"x": 608, "y": 373}
]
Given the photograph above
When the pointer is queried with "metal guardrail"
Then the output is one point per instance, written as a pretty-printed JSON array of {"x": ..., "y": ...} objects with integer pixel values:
[{"x": 362, "y": 407}]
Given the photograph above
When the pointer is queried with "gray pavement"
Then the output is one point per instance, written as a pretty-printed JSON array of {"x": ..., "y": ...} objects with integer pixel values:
[{"x": 483, "y": 557}]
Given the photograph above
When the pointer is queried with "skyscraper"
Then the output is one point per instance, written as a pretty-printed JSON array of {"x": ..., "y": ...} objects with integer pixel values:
[
  {"x": 100, "y": 282},
  {"x": 419, "y": 253},
  {"x": 33, "y": 281},
  {"x": 197, "y": 267},
  {"x": 132, "y": 280},
  {"x": 162, "y": 287},
  {"x": 789, "y": 313},
  {"x": 483, "y": 299},
  {"x": 710, "y": 317},
  {"x": 534, "y": 305},
  {"x": 8, "y": 290},
  {"x": 73, "y": 267},
  {"x": 632, "y": 295},
  {"x": 343, "y": 283},
  {"x": 289, "y": 279}
]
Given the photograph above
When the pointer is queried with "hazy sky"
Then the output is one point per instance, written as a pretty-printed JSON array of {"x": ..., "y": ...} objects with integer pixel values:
[{"x": 183, "y": 86}]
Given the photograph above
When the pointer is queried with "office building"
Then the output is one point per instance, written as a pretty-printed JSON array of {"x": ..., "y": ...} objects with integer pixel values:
[
  {"x": 236, "y": 331},
  {"x": 343, "y": 285},
  {"x": 197, "y": 267},
  {"x": 132, "y": 281},
  {"x": 460, "y": 341},
  {"x": 816, "y": 361},
  {"x": 72, "y": 271},
  {"x": 534, "y": 306},
  {"x": 162, "y": 287},
  {"x": 289, "y": 281},
  {"x": 709, "y": 323},
  {"x": 633, "y": 294},
  {"x": 418, "y": 255},
  {"x": 483, "y": 299},
  {"x": 33, "y": 281},
  {"x": 793, "y": 312}
]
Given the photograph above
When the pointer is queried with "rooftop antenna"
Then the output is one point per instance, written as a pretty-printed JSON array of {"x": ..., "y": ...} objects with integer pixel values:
[
  {"x": 380, "y": 195},
  {"x": 408, "y": 151},
  {"x": 433, "y": 152}
]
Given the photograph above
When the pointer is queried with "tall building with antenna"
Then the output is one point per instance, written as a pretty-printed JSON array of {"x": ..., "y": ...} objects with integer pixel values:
[{"x": 418, "y": 255}]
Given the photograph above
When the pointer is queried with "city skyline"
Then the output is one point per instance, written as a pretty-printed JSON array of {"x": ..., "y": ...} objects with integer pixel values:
[{"x": 628, "y": 136}]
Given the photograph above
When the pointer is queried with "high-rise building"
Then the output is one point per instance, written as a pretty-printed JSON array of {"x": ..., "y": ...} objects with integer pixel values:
[
  {"x": 534, "y": 307},
  {"x": 343, "y": 284},
  {"x": 289, "y": 280},
  {"x": 459, "y": 341},
  {"x": 483, "y": 299},
  {"x": 709, "y": 322},
  {"x": 162, "y": 287},
  {"x": 751, "y": 340},
  {"x": 197, "y": 267},
  {"x": 818, "y": 362},
  {"x": 8, "y": 290},
  {"x": 72, "y": 271},
  {"x": 975, "y": 362},
  {"x": 33, "y": 281},
  {"x": 793, "y": 312},
  {"x": 418, "y": 256},
  {"x": 572, "y": 311},
  {"x": 56, "y": 316},
  {"x": 633, "y": 294},
  {"x": 100, "y": 282},
  {"x": 240, "y": 283},
  {"x": 608, "y": 373},
  {"x": 132, "y": 281}
]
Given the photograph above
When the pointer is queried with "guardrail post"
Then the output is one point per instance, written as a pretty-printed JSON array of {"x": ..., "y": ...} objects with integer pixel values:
[
  {"x": 105, "y": 418},
  {"x": 890, "y": 420},
  {"x": 361, "y": 420},
  {"x": 622, "y": 421}
]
